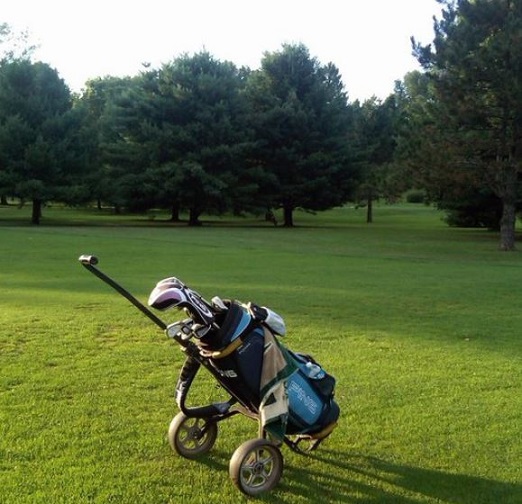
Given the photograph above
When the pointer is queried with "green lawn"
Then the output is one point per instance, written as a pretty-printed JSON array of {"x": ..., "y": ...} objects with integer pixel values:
[{"x": 420, "y": 323}]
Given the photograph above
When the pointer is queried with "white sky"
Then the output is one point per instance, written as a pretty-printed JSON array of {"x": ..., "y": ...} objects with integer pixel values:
[{"x": 368, "y": 40}]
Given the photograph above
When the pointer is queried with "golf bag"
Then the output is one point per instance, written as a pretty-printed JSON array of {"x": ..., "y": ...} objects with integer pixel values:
[{"x": 291, "y": 392}]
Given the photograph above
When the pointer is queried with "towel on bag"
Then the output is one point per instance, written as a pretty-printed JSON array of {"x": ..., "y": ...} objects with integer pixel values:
[{"x": 273, "y": 408}]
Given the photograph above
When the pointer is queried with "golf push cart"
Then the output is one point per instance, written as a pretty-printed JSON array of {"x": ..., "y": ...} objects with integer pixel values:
[{"x": 289, "y": 394}]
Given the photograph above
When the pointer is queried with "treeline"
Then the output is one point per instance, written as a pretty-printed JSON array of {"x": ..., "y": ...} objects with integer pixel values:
[
  {"x": 197, "y": 134},
  {"x": 200, "y": 135}
]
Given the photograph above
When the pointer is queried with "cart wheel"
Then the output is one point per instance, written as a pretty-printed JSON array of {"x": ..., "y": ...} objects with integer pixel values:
[
  {"x": 191, "y": 437},
  {"x": 256, "y": 466}
]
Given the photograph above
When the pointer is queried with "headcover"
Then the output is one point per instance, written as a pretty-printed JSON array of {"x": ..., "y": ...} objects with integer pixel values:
[{"x": 172, "y": 292}]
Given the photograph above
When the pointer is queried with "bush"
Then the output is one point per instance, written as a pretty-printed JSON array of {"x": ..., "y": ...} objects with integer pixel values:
[
  {"x": 478, "y": 210},
  {"x": 416, "y": 196}
]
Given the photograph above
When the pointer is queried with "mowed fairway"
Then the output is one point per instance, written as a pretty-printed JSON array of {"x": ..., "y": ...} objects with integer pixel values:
[{"x": 421, "y": 325}]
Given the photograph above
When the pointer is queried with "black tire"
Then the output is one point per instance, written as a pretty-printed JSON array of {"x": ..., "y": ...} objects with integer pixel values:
[
  {"x": 256, "y": 466},
  {"x": 191, "y": 437}
]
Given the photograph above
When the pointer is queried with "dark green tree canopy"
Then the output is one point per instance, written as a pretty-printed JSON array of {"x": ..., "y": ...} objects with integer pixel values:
[
  {"x": 39, "y": 133},
  {"x": 374, "y": 144},
  {"x": 301, "y": 120},
  {"x": 202, "y": 135},
  {"x": 196, "y": 134},
  {"x": 475, "y": 64},
  {"x": 178, "y": 132}
]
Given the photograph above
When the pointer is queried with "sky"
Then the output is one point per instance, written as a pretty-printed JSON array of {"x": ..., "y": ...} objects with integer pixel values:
[{"x": 367, "y": 40}]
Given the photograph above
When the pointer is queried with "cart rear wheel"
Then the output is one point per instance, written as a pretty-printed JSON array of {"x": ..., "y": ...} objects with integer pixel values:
[
  {"x": 191, "y": 437},
  {"x": 256, "y": 466}
]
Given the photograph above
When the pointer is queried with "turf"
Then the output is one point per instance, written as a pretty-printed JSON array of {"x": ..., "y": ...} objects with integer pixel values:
[{"x": 419, "y": 323}]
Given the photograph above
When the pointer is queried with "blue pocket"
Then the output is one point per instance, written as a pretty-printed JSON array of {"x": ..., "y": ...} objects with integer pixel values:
[{"x": 304, "y": 402}]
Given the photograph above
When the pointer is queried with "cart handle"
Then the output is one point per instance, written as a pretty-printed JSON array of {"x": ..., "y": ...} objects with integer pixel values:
[{"x": 90, "y": 262}]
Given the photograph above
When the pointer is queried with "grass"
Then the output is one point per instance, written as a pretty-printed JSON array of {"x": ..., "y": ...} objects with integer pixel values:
[{"x": 419, "y": 323}]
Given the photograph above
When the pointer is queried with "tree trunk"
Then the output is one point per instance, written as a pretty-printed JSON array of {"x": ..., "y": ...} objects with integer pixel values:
[
  {"x": 174, "y": 212},
  {"x": 507, "y": 225},
  {"x": 369, "y": 210},
  {"x": 194, "y": 217},
  {"x": 3, "y": 200},
  {"x": 288, "y": 216},
  {"x": 37, "y": 211}
]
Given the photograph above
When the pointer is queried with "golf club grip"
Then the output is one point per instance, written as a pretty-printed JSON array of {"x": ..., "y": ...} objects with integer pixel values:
[{"x": 88, "y": 259}]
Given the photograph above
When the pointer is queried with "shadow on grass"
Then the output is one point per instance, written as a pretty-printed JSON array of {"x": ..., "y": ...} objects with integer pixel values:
[{"x": 353, "y": 478}]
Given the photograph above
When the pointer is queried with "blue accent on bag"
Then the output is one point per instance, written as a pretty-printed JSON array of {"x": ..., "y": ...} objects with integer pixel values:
[
  {"x": 242, "y": 324},
  {"x": 304, "y": 402},
  {"x": 311, "y": 396}
]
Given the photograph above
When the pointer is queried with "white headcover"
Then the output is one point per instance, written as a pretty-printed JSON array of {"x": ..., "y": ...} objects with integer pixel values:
[{"x": 171, "y": 292}]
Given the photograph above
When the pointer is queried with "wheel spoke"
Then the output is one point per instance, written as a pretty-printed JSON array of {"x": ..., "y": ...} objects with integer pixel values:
[
  {"x": 184, "y": 433},
  {"x": 189, "y": 435},
  {"x": 257, "y": 468},
  {"x": 267, "y": 459},
  {"x": 266, "y": 473},
  {"x": 249, "y": 478}
]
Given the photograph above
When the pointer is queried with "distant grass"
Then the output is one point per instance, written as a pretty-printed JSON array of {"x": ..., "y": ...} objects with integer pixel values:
[{"x": 420, "y": 324}]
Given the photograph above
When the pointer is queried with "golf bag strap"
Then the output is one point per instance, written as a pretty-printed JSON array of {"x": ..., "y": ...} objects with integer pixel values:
[{"x": 224, "y": 352}]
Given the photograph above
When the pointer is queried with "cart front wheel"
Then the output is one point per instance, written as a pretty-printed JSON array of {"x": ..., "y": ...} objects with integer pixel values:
[
  {"x": 256, "y": 466},
  {"x": 191, "y": 437}
]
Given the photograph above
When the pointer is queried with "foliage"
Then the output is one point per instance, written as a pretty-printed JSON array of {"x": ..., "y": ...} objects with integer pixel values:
[
  {"x": 421, "y": 162},
  {"x": 14, "y": 45},
  {"x": 375, "y": 143},
  {"x": 41, "y": 143},
  {"x": 416, "y": 196},
  {"x": 475, "y": 65},
  {"x": 301, "y": 120},
  {"x": 102, "y": 181},
  {"x": 174, "y": 135},
  {"x": 200, "y": 134},
  {"x": 479, "y": 209}
]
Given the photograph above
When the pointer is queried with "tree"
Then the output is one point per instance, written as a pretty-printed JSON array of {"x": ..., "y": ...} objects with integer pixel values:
[
  {"x": 423, "y": 161},
  {"x": 13, "y": 45},
  {"x": 39, "y": 133},
  {"x": 112, "y": 156},
  {"x": 201, "y": 131},
  {"x": 301, "y": 120},
  {"x": 375, "y": 131},
  {"x": 475, "y": 65},
  {"x": 178, "y": 135},
  {"x": 420, "y": 161}
]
